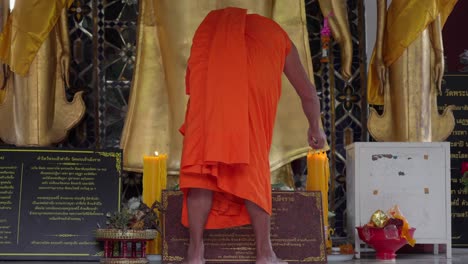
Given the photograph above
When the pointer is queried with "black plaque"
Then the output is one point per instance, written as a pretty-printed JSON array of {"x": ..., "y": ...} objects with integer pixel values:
[
  {"x": 297, "y": 232},
  {"x": 51, "y": 201},
  {"x": 455, "y": 92}
]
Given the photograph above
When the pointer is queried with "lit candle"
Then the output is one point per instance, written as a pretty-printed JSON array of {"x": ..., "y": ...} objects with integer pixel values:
[
  {"x": 318, "y": 174},
  {"x": 154, "y": 182}
]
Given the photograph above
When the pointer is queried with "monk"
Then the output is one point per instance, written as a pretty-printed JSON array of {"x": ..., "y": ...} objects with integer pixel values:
[{"x": 234, "y": 82}]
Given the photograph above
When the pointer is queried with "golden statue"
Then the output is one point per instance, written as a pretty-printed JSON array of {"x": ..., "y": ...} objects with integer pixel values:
[
  {"x": 4, "y": 11},
  {"x": 158, "y": 100},
  {"x": 337, "y": 13},
  {"x": 406, "y": 72},
  {"x": 34, "y": 43}
]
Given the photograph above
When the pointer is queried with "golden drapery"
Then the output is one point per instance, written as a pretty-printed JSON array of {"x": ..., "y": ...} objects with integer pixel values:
[
  {"x": 406, "y": 20},
  {"x": 407, "y": 65},
  {"x": 26, "y": 29},
  {"x": 4, "y": 11},
  {"x": 157, "y": 100},
  {"x": 35, "y": 45}
]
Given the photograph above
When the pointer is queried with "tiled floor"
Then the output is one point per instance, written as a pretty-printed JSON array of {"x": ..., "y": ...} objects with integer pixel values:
[{"x": 460, "y": 256}]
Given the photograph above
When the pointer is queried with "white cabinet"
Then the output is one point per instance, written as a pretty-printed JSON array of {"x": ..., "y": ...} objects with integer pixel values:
[{"x": 414, "y": 176}]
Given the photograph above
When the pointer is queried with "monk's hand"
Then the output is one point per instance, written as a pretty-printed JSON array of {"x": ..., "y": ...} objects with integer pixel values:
[
  {"x": 381, "y": 71},
  {"x": 316, "y": 137}
]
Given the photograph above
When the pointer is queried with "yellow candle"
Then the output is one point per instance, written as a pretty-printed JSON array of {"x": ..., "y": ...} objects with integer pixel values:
[
  {"x": 154, "y": 182},
  {"x": 318, "y": 174}
]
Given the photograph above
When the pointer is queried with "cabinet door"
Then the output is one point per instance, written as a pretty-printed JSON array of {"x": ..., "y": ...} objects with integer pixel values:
[{"x": 412, "y": 178}]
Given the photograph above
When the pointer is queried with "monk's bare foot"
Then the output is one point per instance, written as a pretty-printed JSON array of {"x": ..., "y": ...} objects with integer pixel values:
[{"x": 195, "y": 254}]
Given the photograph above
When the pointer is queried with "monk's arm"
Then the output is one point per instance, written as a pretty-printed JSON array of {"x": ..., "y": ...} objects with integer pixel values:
[
  {"x": 297, "y": 76},
  {"x": 310, "y": 102}
]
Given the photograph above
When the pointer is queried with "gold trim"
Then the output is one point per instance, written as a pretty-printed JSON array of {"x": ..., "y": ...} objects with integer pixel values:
[
  {"x": 46, "y": 150},
  {"x": 309, "y": 193},
  {"x": 166, "y": 196},
  {"x": 46, "y": 254},
  {"x": 314, "y": 259},
  {"x": 318, "y": 204},
  {"x": 124, "y": 261},
  {"x": 166, "y": 256},
  {"x": 116, "y": 155},
  {"x": 333, "y": 153},
  {"x": 173, "y": 258},
  {"x": 165, "y": 202},
  {"x": 147, "y": 234},
  {"x": 316, "y": 195},
  {"x": 65, "y": 235},
  {"x": 118, "y": 166}
]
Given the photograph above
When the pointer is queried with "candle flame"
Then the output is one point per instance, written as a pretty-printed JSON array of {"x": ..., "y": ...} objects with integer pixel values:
[{"x": 156, "y": 153}]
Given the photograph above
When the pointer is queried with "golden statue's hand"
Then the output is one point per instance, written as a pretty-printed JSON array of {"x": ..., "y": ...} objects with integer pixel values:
[
  {"x": 438, "y": 48},
  {"x": 4, "y": 75},
  {"x": 381, "y": 71},
  {"x": 65, "y": 64},
  {"x": 439, "y": 73},
  {"x": 337, "y": 12},
  {"x": 64, "y": 43}
]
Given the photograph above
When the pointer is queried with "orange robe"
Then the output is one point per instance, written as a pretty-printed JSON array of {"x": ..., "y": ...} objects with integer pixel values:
[{"x": 234, "y": 82}]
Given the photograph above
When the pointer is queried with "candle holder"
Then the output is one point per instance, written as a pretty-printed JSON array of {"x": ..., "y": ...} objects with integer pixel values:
[
  {"x": 129, "y": 231},
  {"x": 125, "y": 246}
]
